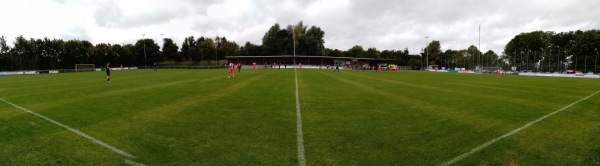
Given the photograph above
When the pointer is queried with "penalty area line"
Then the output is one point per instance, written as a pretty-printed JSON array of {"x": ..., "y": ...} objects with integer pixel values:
[
  {"x": 484, "y": 145},
  {"x": 118, "y": 151}
]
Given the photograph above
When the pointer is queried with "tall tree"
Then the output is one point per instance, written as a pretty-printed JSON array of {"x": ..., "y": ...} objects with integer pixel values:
[
  {"x": 22, "y": 49},
  {"x": 357, "y": 52},
  {"x": 171, "y": 50},
  {"x": 127, "y": 55},
  {"x": 314, "y": 41},
  {"x": 250, "y": 49},
  {"x": 228, "y": 48},
  {"x": 148, "y": 52},
  {"x": 270, "y": 41},
  {"x": 189, "y": 49},
  {"x": 433, "y": 51},
  {"x": 5, "y": 57},
  {"x": 373, "y": 53},
  {"x": 298, "y": 32}
]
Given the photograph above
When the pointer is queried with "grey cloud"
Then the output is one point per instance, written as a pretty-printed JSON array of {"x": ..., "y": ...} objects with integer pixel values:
[
  {"x": 109, "y": 14},
  {"x": 383, "y": 24},
  {"x": 79, "y": 33}
]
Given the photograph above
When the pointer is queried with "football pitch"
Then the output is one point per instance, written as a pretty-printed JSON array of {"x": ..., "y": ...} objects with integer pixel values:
[{"x": 201, "y": 117}]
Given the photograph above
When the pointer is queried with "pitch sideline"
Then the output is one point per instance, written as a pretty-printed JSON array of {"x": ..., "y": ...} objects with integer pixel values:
[
  {"x": 484, "y": 145},
  {"x": 118, "y": 151}
]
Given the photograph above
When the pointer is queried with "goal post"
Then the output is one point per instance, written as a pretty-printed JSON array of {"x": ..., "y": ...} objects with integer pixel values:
[{"x": 84, "y": 67}]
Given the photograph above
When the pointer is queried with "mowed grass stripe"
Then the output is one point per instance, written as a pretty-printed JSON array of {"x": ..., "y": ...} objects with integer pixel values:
[
  {"x": 110, "y": 103},
  {"x": 86, "y": 83},
  {"x": 229, "y": 99},
  {"x": 164, "y": 115},
  {"x": 464, "y": 91},
  {"x": 433, "y": 99},
  {"x": 486, "y": 144},
  {"x": 485, "y": 126},
  {"x": 350, "y": 118},
  {"x": 235, "y": 84},
  {"x": 339, "y": 129},
  {"x": 29, "y": 140},
  {"x": 490, "y": 106},
  {"x": 532, "y": 103},
  {"x": 129, "y": 89},
  {"x": 116, "y": 150}
]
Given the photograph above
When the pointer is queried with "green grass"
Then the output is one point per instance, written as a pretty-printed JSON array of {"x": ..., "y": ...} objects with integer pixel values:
[{"x": 200, "y": 117}]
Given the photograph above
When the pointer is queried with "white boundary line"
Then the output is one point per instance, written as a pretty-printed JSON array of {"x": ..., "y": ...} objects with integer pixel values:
[
  {"x": 300, "y": 139},
  {"x": 484, "y": 145},
  {"x": 121, "y": 152}
]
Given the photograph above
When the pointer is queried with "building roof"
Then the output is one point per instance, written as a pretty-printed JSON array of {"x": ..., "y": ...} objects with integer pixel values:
[{"x": 302, "y": 56}]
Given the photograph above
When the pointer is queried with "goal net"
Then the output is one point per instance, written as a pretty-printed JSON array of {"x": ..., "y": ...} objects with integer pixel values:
[{"x": 84, "y": 67}]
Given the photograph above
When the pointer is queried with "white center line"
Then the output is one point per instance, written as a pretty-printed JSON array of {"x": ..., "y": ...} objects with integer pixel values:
[
  {"x": 484, "y": 145},
  {"x": 300, "y": 139}
]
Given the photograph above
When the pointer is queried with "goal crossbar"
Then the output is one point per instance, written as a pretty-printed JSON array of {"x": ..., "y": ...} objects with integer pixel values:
[{"x": 84, "y": 67}]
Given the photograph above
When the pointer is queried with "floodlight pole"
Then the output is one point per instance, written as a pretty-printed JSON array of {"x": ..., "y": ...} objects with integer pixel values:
[
  {"x": 144, "y": 40},
  {"x": 521, "y": 59},
  {"x": 558, "y": 58},
  {"x": 534, "y": 61},
  {"x": 163, "y": 51},
  {"x": 217, "y": 50},
  {"x": 426, "y": 53},
  {"x": 549, "y": 58},
  {"x": 566, "y": 55},
  {"x": 542, "y": 68},
  {"x": 294, "y": 42},
  {"x": 596, "y": 65}
]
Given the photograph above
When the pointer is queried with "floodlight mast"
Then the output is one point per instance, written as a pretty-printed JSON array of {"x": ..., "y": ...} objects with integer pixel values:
[
  {"x": 426, "y": 53},
  {"x": 596, "y": 65},
  {"x": 217, "y": 50},
  {"x": 144, "y": 40},
  {"x": 294, "y": 43}
]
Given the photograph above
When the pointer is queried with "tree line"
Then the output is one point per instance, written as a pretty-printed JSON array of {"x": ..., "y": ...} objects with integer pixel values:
[
  {"x": 554, "y": 52},
  {"x": 526, "y": 50}
]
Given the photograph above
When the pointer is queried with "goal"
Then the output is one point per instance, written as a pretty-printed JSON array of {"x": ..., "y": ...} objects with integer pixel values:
[{"x": 84, "y": 67}]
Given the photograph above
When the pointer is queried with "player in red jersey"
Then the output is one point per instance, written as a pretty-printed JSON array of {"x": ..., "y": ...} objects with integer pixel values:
[
  {"x": 231, "y": 68},
  {"x": 254, "y": 66},
  {"x": 498, "y": 73}
]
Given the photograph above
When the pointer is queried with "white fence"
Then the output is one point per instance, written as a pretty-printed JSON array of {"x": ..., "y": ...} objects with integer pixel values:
[
  {"x": 561, "y": 75},
  {"x": 7, "y": 73}
]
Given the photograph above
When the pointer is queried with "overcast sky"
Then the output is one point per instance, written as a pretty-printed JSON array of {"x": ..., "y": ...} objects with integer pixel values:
[{"x": 384, "y": 24}]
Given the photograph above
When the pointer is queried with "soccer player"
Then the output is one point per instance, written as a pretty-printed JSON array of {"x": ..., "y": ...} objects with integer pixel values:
[
  {"x": 155, "y": 68},
  {"x": 108, "y": 71},
  {"x": 498, "y": 73},
  {"x": 337, "y": 68},
  {"x": 301, "y": 65},
  {"x": 254, "y": 66},
  {"x": 231, "y": 67},
  {"x": 239, "y": 67}
]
